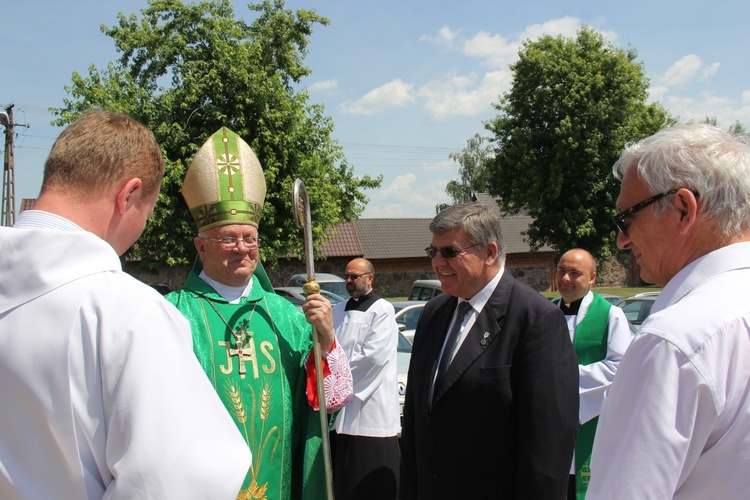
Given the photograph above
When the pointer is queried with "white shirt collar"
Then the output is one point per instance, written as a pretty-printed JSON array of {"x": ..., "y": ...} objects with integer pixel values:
[
  {"x": 231, "y": 294},
  {"x": 480, "y": 298}
]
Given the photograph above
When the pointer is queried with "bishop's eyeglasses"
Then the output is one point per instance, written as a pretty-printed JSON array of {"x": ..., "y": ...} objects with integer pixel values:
[{"x": 230, "y": 242}]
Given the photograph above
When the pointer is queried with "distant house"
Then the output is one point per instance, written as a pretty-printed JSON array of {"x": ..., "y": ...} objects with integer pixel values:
[{"x": 396, "y": 249}]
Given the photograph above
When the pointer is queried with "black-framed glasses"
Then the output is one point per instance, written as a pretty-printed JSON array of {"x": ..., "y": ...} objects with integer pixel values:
[
  {"x": 353, "y": 277},
  {"x": 626, "y": 214},
  {"x": 447, "y": 252},
  {"x": 230, "y": 242}
]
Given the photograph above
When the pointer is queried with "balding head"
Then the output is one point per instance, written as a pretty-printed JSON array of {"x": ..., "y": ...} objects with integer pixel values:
[
  {"x": 364, "y": 271},
  {"x": 576, "y": 274}
]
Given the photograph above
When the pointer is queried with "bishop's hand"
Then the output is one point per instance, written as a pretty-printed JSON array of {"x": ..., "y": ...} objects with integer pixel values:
[{"x": 318, "y": 312}]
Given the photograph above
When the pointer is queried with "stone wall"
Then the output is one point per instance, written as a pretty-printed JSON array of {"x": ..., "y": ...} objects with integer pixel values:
[{"x": 393, "y": 277}]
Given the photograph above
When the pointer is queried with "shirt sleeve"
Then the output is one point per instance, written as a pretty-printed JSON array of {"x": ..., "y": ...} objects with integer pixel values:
[
  {"x": 655, "y": 421},
  {"x": 337, "y": 379},
  {"x": 596, "y": 378}
]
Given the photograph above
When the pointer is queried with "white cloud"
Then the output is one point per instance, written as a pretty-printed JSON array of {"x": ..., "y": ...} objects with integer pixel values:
[
  {"x": 445, "y": 36},
  {"x": 406, "y": 196},
  {"x": 462, "y": 95},
  {"x": 711, "y": 70},
  {"x": 467, "y": 94},
  {"x": 566, "y": 26},
  {"x": 394, "y": 94},
  {"x": 725, "y": 109},
  {"x": 684, "y": 71},
  {"x": 326, "y": 85},
  {"x": 400, "y": 186},
  {"x": 495, "y": 50}
]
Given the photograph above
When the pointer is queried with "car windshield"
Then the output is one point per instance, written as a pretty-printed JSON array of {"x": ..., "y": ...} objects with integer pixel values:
[{"x": 337, "y": 287}]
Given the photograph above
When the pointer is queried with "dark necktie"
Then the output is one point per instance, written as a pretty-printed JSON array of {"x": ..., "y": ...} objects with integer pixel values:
[{"x": 450, "y": 343}]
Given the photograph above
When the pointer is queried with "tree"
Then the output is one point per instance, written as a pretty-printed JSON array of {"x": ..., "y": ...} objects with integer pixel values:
[
  {"x": 187, "y": 69},
  {"x": 473, "y": 172},
  {"x": 573, "y": 105}
]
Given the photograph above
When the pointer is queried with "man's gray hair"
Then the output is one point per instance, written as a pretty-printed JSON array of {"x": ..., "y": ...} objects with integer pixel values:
[
  {"x": 479, "y": 221},
  {"x": 711, "y": 162}
]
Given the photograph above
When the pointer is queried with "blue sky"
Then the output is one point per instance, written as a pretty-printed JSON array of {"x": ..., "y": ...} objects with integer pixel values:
[{"x": 406, "y": 82}]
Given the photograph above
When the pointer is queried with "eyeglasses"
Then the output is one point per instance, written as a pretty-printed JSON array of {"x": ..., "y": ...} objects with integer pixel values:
[
  {"x": 447, "y": 252},
  {"x": 630, "y": 212},
  {"x": 230, "y": 242},
  {"x": 353, "y": 277}
]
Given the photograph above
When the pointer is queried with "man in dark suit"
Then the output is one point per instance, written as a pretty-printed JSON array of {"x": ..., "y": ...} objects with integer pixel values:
[{"x": 500, "y": 421}]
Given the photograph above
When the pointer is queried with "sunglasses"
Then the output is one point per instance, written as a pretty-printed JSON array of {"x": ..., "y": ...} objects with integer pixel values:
[
  {"x": 353, "y": 277},
  {"x": 626, "y": 214},
  {"x": 447, "y": 252}
]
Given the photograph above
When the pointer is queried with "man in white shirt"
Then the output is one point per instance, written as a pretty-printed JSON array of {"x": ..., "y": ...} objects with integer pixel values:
[
  {"x": 101, "y": 395},
  {"x": 364, "y": 440},
  {"x": 600, "y": 334},
  {"x": 676, "y": 420}
]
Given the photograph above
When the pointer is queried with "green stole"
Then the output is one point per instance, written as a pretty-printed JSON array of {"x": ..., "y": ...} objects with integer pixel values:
[
  {"x": 267, "y": 401},
  {"x": 590, "y": 343}
]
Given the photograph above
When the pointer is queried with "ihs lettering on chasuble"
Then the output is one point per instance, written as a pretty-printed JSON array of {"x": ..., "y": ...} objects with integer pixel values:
[{"x": 246, "y": 350}]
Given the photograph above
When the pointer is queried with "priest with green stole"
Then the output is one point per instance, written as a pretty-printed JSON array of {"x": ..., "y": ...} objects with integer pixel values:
[
  {"x": 600, "y": 335},
  {"x": 256, "y": 346}
]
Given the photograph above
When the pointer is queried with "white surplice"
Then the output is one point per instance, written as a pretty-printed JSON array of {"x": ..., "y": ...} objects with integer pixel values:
[{"x": 101, "y": 395}]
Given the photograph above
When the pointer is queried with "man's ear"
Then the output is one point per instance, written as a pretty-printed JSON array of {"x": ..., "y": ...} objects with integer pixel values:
[
  {"x": 687, "y": 204},
  {"x": 592, "y": 282},
  {"x": 492, "y": 251},
  {"x": 200, "y": 247},
  {"x": 127, "y": 194}
]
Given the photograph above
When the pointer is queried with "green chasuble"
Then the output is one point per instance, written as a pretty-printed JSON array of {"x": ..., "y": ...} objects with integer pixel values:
[
  {"x": 590, "y": 343},
  {"x": 254, "y": 354}
]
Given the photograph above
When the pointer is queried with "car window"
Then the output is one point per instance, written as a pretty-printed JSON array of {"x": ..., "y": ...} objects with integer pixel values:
[
  {"x": 410, "y": 318},
  {"x": 632, "y": 310},
  {"x": 403, "y": 344}
]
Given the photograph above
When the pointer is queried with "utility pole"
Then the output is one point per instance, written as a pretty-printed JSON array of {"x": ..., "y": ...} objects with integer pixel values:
[{"x": 9, "y": 183}]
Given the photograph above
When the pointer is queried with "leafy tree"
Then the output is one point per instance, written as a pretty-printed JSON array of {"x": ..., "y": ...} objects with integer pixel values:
[
  {"x": 473, "y": 172},
  {"x": 187, "y": 69},
  {"x": 735, "y": 128},
  {"x": 573, "y": 105}
]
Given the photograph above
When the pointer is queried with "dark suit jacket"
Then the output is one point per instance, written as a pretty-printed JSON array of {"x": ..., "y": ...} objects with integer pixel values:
[{"x": 505, "y": 425}]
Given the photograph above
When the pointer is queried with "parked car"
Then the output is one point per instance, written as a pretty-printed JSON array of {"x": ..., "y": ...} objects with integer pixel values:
[
  {"x": 403, "y": 357},
  {"x": 425, "y": 289},
  {"x": 407, "y": 315},
  {"x": 612, "y": 299},
  {"x": 298, "y": 293},
  {"x": 330, "y": 282},
  {"x": 638, "y": 307}
]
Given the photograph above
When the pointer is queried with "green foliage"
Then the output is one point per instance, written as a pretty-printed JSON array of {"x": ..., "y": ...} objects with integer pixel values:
[
  {"x": 573, "y": 106},
  {"x": 473, "y": 171},
  {"x": 184, "y": 71}
]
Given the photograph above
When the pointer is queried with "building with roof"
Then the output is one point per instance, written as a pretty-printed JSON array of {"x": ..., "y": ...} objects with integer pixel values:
[{"x": 396, "y": 249}]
